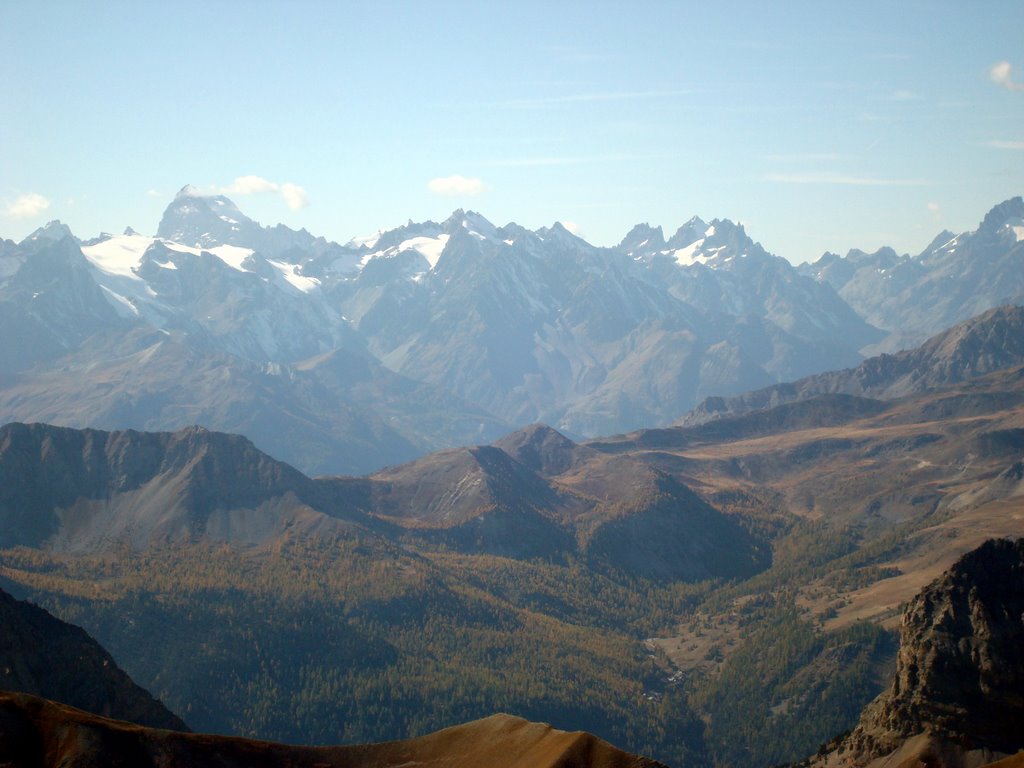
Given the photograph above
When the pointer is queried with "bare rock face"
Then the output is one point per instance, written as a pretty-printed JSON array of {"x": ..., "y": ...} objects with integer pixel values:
[{"x": 960, "y": 669}]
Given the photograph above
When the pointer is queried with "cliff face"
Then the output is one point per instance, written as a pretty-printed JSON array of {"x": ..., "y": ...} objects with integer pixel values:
[{"x": 960, "y": 670}]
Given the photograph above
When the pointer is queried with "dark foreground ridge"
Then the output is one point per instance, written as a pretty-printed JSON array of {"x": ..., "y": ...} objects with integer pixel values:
[
  {"x": 44, "y": 656},
  {"x": 36, "y": 733}
]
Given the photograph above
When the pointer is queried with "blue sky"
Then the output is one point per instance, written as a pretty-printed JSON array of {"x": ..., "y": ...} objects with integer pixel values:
[{"x": 820, "y": 126}]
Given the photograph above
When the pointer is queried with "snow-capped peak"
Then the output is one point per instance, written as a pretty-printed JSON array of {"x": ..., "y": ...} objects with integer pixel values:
[
  {"x": 53, "y": 231},
  {"x": 472, "y": 222}
]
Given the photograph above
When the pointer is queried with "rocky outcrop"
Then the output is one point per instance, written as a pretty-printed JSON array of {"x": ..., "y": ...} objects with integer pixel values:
[{"x": 959, "y": 683}]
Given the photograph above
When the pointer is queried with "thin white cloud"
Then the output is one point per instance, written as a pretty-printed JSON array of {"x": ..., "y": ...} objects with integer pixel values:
[
  {"x": 27, "y": 206},
  {"x": 597, "y": 96},
  {"x": 295, "y": 196},
  {"x": 455, "y": 186},
  {"x": 997, "y": 144},
  {"x": 573, "y": 227},
  {"x": 153, "y": 193},
  {"x": 250, "y": 185},
  {"x": 904, "y": 95},
  {"x": 1001, "y": 73},
  {"x": 839, "y": 179},
  {"x": 804, "y": 157},
  {"x": 934, "y": 207},
  {"x": 527, "y": 162}
]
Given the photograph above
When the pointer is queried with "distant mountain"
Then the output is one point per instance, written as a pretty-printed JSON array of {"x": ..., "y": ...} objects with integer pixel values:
[
  {"x": 959, "y": 672},
  {"x": 431, "y": 335},
  {"x": 954, "y": 278},
  {"x": 28, "y": 723},
  {"x": 43, "y": 656},
  {"x": 440, "y": 334},
  {"x": 338, "y": 412},
  {"x": 541, "y": 326},
  {"x": 989, "y": 342}
]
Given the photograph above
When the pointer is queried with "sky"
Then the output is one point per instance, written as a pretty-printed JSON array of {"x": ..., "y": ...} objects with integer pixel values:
[{"x": 821, "y": 126}]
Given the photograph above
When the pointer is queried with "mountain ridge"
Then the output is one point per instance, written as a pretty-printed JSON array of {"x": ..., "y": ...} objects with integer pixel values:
[
  {"x": 43, "y": 656},
  {"x": 988, "y": 342}
]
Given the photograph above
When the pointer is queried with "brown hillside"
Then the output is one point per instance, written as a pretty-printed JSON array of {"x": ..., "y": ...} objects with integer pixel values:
[{"x": 36, "y": 733}]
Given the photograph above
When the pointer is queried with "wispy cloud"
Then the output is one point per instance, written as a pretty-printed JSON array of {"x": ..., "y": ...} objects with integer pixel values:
[
  {"x": 294, "y": 196},
  {"x": 528, "y": 162},
  {"x": 456, "y": 186},
  {"x": 598, "y": 96},
  {"x": 27, "y": 206},
  {"x": 838, "y": 179},
  {"x": 904, "y": 95},
  {"x": 250, "y": 185},
  {"x": 997, "y": 144},
  {"x": 804, "y": 157},
  {"x": 1001, "y": 73}
]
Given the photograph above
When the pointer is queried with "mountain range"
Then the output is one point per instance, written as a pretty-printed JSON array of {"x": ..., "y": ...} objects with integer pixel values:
[
  {"x": 346, "y": 358},
  {"x": 955, "y": 277}
]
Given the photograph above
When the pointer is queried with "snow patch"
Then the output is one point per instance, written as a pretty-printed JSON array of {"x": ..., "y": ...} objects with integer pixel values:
[
  {"x": 119, "y": 254},
  {"x": 428, "y": 247},
  {"x": 368, "y": 240},
  {"x": 122, "y": 304},
  {"x": 304, "y": 284},
  {"x": 688, "y": 256},
  {"x": 232, "y": 255},
  {"x": 710, "y": 231},
  {"x": 180, "y": 248}
]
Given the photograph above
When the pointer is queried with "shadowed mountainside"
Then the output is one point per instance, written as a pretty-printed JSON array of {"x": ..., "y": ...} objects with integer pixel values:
[{"x": 44, "y": 656}]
